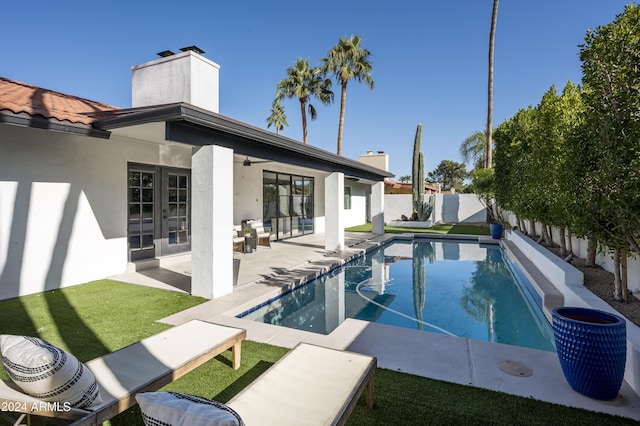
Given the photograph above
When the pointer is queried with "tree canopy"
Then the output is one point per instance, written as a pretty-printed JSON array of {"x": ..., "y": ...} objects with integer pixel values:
[
  {"x": 277, "y": 118},
  {"x": 573, "y": 161},
  {"x": 304, "y": 83},
  {"x": 450, "y": 173},
  {"x": 347, "y": 61}
]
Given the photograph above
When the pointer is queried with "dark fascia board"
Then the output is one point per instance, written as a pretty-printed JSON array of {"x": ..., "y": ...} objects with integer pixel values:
[
  {"x": 182, "y": 118},
  {"x": 39, "y": 122}
]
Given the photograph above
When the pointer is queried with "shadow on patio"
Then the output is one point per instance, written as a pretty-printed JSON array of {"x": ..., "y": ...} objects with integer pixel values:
[{"x": 263, "y": 263}]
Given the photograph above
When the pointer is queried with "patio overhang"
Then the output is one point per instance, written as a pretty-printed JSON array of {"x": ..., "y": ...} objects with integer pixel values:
[{"x": 185, "y": 123}]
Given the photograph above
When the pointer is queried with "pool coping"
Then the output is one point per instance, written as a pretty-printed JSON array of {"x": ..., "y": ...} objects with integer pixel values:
[{"x": 454, "y": 359}]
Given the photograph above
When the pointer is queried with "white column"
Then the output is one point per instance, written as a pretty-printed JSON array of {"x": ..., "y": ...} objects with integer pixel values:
[
  {"x": 377, "y": 208},
  {"x": 211, "y": 225},
  {"x": 334, "y": 211}
]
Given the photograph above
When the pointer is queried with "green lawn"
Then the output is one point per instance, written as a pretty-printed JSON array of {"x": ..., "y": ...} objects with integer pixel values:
[
  {"x": 98, "y": 317},
  {"x": 435, "y": 229}
]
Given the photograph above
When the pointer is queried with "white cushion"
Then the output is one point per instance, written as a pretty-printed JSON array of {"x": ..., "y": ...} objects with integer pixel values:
[
  {"x": 46, "y": 372},
  {"x": 177, "y": 409}
]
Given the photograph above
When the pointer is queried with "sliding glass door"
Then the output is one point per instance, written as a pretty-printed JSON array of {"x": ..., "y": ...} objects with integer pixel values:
[{"x": 287, "y": 204}]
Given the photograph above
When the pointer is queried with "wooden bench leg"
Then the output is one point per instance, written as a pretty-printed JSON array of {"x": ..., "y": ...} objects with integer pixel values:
[
  {"x": 369, "y": 393},
  {"x": 237, "y": 352}
]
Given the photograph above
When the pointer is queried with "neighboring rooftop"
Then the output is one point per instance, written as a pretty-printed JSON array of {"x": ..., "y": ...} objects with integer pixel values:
[{"x": 394, "y": 187}]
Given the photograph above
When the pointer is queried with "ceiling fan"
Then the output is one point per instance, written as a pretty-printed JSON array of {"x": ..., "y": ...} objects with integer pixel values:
[{"x": 246, "y": 162}]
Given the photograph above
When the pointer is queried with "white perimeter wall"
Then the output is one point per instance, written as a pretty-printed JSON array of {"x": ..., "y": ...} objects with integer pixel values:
[
  {"x": 448, "y": 208},
  {"x": 63, "y": 206},
  {"x": 603, "y": 259}
]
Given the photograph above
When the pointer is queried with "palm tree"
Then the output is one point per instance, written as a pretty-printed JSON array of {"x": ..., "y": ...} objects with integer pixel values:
[
  {"x": 473, "y": 148},
  {"x": 405, "y": 178},
  {"x": 277, "y": 118},
  {"x": 347, "y": 61},
  {"x": 303, "y": 83},
  {"x": 488, "y": 160}
]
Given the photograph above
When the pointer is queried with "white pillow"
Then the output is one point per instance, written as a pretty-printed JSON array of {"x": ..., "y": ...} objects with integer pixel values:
[
  {"x": 178, "y": 409},
  {"x": 46, "y": 372}
]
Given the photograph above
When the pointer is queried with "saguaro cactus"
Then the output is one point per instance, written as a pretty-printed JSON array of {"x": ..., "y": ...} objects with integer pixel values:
[{"x": 421, "y": 209}]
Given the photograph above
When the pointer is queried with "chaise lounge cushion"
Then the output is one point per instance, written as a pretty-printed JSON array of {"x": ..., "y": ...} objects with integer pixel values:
[
  {"x": 47, "y": 372},
  {"x": 172, "y": 408}
]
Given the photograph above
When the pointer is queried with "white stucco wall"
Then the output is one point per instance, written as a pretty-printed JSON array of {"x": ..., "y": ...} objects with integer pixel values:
[
  {"x": 396, "y": 205},
  {"x": 63, "y": 206},
  {"x": 448, "y": 208},
  {"x": 456, "y": 208},
  {"x": 248, "y": 198},
  {"x": 357, "y": 214}
]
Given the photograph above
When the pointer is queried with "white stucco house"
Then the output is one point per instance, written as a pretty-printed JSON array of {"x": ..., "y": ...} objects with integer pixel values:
[{"x": 87, "y": 188}]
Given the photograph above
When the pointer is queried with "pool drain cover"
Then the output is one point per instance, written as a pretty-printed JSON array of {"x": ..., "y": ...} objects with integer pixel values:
[{"x": 515, "y": 368}]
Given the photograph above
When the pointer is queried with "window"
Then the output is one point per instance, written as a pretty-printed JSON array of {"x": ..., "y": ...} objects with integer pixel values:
[{"x": 347, "y": 198}]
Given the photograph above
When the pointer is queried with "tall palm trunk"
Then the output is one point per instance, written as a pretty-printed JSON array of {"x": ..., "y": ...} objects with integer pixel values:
[
  {"x": 304, "y": 120},
  {"x": 492, "y": 34},
  {"x": 343, "y": 103}
]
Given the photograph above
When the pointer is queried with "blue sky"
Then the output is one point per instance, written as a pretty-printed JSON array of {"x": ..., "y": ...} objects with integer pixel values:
[{"x": 429, "y": 59}]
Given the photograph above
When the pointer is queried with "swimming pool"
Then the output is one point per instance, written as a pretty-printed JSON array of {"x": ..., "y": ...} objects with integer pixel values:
[{"x": 454, "y": 287}]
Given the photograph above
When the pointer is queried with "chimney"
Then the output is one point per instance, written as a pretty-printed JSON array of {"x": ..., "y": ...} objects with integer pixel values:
[
  {"x": 184, "y": 77},
  {"x": 379, "y": 160}
]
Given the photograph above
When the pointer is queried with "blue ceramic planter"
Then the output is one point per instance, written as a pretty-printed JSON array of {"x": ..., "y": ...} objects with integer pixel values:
[
  {"x": 496, "y": 230},
  {"x": 592, "y": 349}
]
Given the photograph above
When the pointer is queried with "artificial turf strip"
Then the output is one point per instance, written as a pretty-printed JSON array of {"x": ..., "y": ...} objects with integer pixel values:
[
  {"x": 99, "y": 317},
  {"x": 404, "y": 399},
  {"x": 435, "y": 229},
  {"x": 92, "y": 319}
]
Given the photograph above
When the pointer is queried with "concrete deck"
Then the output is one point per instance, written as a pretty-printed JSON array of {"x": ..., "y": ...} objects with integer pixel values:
[{"x": 265, "y": 273}]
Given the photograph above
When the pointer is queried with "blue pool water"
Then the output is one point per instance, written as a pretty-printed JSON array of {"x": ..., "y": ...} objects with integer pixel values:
[{"x": 454, "y": 287}]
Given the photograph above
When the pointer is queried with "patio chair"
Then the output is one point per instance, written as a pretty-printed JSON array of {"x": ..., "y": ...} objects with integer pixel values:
[
  {"x": 262, "y": 234},
  {"x": 238, "y": 240}
]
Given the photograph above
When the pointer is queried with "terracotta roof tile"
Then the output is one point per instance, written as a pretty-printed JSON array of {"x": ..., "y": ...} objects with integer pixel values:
[{"x": 19, "y": 98}]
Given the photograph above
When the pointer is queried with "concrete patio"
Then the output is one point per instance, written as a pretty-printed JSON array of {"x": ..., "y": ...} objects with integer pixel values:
[{"x": 264, "y": 274}]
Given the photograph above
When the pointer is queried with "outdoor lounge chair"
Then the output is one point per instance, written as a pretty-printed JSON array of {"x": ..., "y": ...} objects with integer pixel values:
[
  {"x": 262, "y": 234},
  {"x": 310, "y": 385},
  {"x": 144, "y": 366},
  {"x": 238, "y": 240}
]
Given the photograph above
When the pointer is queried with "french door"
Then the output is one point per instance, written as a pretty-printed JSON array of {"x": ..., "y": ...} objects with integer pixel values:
[{"x": 159, "y": 211}]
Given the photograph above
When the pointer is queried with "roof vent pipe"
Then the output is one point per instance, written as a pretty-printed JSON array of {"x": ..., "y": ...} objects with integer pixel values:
[{"x": 165, "y": 53}]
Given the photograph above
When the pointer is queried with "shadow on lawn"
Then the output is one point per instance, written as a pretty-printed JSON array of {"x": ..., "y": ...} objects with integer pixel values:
[{"x": 243, "y": 381}]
